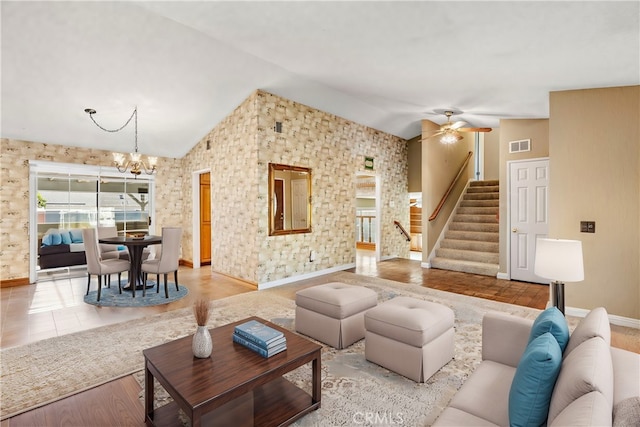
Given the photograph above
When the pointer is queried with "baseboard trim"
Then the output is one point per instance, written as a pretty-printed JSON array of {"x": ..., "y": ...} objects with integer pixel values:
[
  {"x": 286, "y": 280},
  {"x": 185, "y": 263},
  {"x": 502, "y": 276},
  {"x": 10, "y": 283},
  {"x": 614, "y": 319},
  {"x": 248, "y": 282},
  {"x": 425, "y": 264}
]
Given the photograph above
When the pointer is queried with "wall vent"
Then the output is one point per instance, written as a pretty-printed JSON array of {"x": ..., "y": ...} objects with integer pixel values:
[{"x": 520, "y": 146}]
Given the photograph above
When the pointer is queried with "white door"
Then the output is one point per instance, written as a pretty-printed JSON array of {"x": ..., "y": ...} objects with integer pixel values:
[
  {"x": 299, "y": 198},
  {"x": 529, "y": 196}
]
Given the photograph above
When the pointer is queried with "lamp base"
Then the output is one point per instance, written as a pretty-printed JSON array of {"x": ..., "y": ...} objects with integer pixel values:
[{"x": 558, "y": 295}]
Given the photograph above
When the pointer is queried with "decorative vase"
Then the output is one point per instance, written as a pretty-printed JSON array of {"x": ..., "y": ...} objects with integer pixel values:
[{"x": 202, "y": 344}]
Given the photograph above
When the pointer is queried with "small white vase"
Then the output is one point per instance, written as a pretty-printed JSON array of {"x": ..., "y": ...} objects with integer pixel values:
[{"x": 202, "y": 344}]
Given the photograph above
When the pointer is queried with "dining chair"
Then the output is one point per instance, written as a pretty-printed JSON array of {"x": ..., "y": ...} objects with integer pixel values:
[
  {"x": 98, "y": 266},
  {"x": 166, "y": 262}
]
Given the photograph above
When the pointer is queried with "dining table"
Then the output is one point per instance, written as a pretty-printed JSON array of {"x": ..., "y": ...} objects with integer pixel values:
[{"x": 136, "y": 246}]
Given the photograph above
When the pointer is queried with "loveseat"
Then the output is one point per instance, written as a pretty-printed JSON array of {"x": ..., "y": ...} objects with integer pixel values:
[
  {"x": 65, "y": 248},
  {"x": 593, "y": 384}
]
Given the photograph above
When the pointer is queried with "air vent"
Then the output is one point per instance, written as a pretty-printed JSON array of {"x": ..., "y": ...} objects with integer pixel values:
[{"x": 520, "y": 146}]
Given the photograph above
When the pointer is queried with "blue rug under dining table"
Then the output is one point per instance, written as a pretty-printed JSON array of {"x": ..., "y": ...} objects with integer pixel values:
[{"x": 109, "y": 297}]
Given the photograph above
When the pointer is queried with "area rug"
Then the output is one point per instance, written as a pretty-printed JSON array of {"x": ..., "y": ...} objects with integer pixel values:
[
  {"x": 110, "y": 297},
  {"x": 352, "y": 388}
]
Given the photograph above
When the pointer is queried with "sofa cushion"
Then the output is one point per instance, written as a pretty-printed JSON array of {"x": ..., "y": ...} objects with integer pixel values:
[
  {"x": 590, "y": 409},
  {"x": 76, "y": 235},
  {"x": 533, "y": 382},
  {"x": 46, "y": 240},
  {"x": 551, "y": 320},
  {"x": 588, "y": 368},
  {"x": 452, "y": 417},
  {"x": 56, "y": 239},
  {"x": 65, "y": 236},
  {"x": 594, "y": 324},
  {"x": 485, "y": 394}
]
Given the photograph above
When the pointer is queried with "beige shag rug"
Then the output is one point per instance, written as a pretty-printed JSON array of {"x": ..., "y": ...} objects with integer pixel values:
[{"x": 354, "y": 391}]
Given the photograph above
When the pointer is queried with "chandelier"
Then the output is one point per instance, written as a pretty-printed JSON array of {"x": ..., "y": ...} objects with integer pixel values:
[{"x": 135, "y": 163}]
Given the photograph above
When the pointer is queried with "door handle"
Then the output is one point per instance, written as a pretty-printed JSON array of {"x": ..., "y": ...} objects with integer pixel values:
[{"x": 514, "y": 230}]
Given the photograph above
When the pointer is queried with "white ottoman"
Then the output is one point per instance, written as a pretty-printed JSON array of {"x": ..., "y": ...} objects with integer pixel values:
[
  {"x": 409, "y": 336},
  {"x": 333, "y": 313}
]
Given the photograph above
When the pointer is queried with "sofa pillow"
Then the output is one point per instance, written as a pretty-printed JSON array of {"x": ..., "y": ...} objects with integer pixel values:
[
  {"x": 588, "y": 368},
  {"x": 66, "y": 237},
  {"x": 594, "y": 324},
  {"x": 533, "y": 382},
  {"x": 46, "y": 240},
  {"x": 76, "y": 235},
  {"x": 56, "y": 239},
  {"x": 551, "y": 320}
]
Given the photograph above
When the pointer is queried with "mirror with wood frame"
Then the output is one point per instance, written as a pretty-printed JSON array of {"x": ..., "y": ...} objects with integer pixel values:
[{"x": 289, "y": 199}]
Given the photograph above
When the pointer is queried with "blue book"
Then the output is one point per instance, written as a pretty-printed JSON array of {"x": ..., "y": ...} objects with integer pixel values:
[
  {"x": 258, "y": 332},
  {"x": 256, "y": 348}
]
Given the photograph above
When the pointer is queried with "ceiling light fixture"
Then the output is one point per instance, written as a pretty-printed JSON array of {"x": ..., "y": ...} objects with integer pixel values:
[
  {"x": 450, "y": 136},
  {"x": 135, "y": 163}
]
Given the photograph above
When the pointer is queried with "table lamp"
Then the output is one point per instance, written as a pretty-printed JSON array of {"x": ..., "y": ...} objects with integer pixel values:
[{"x": 559, "y": 260}]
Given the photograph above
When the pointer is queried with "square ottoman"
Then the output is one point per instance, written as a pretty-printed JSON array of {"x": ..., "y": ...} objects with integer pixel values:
[
  {"x": 412, "y": 337},
  {"x": 333, "y": 313}
]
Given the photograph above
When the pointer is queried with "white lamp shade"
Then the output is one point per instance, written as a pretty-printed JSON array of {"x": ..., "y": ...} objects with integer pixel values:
[{"x": 559, "y": 260}]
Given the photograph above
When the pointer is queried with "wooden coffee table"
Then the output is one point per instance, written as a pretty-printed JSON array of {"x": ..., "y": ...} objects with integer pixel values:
[{"x": 234, "y": 378}]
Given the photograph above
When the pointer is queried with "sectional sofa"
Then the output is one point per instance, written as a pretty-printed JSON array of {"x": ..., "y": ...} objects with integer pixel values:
[
  {"x": 532, "y": 373},
  {"x": 65, "y": 248}
]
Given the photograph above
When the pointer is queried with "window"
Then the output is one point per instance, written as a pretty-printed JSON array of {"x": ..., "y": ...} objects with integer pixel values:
[{"x": 68, "y": 196}]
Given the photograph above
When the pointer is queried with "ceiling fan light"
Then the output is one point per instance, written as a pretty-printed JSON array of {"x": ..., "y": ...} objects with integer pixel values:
[{"x": 449, "y": 138}]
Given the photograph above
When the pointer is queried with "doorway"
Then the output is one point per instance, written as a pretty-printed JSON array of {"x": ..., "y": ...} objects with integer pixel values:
[
  {"x": 528, "y": 215},
  {"x": 205, "y": 218},
  {"x": 367, "y": 218}
]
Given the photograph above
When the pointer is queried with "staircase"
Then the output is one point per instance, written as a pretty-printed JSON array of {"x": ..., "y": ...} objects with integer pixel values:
[{"x": 471, "y": 244}]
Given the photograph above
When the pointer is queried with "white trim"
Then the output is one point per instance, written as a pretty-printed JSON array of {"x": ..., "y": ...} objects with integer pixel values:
[
  {"x": 286, "y": 280},
  {"x": 613, "y": 319},
  {"x": 502, "y": 276},
  {"x": 425, "y": 264}
]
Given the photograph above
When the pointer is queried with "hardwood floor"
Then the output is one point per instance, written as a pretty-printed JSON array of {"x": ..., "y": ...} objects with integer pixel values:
[{"x": 56, "y": 307}]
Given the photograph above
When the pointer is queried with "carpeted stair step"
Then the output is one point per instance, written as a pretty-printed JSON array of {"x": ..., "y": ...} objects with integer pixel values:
[
  {"x": 470, "y": 245},
  {"x": 480, "y": 203},
  {"x": 480, "y": 236},
  {"x": 483, "y": 189},
  {"x": 481, "y": 196},
  {"x": 485, "y": 227},
  {"x": 475, "y": 218},
  {"x": 486, "y": 257},
  {"x": 466, "y": 266},
  {"x": 487, "y": 183},
  {"x": 477, "y": 210}
]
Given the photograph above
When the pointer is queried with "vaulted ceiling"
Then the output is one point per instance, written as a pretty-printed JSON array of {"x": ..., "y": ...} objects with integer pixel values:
[{"x": 387, "y": 65}]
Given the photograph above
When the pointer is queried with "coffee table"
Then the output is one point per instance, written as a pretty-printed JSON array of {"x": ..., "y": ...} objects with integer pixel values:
[{"x": 231, "y": 382}]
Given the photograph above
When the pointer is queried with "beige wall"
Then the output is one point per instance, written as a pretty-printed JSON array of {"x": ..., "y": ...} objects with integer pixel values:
[
  {"x": 595, "y": 175},
  {"x": 512, "y": 130},
  {"x": 243, "y": 145},
  {"x": 415, "y": 164},
  {"x": 440, "y": 165},
  {"x": 492, "y": 154}
]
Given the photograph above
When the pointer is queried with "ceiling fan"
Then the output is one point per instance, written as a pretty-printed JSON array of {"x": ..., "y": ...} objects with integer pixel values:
[{"x": 449, "y": 132}]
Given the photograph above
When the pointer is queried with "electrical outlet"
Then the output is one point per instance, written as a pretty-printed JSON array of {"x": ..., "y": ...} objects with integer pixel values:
[{"x": 587, "y": 226}]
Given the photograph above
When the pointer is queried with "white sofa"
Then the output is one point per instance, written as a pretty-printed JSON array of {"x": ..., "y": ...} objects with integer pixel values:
[{"x": 597, "y": 384}]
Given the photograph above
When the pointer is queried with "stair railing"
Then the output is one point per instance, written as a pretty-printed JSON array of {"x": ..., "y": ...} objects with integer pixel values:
[
  {"x": 402, "y": 231},
  {"x": 435, "y": 213}
]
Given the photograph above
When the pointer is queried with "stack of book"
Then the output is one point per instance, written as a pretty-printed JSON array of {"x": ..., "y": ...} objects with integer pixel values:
[{"x": 260, "y": 338}]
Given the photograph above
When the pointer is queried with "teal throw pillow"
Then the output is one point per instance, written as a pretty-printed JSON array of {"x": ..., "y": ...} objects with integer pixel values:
[
  {"x": 56, "y": 239},
  {"x": 551, "y": 320},
  {"x": 46, "y": 240},
  {"x": 66, "y": 237},
  {"x": 533, "y": 383},
  {"x": 76, "y": 235}
]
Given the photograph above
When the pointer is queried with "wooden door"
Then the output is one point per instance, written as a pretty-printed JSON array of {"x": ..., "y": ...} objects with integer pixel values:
[
  {"x": 205, "y": 218},
  {"x": 529, "y": 196}
]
